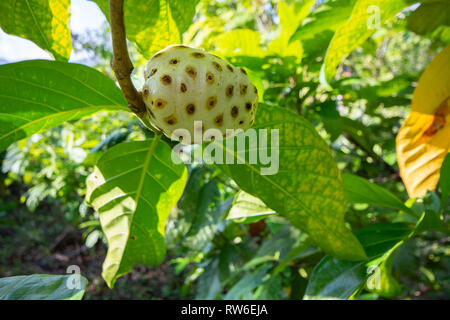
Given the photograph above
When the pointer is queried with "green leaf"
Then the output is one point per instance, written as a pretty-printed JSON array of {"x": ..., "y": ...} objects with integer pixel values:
[
  {"x": 306, "y": 188},
  {"x": 248, "y": 209},
  {"x": 366, "y": 17},
  {"x": 430, "y": 221},
  {"x": 209, "y": 282},
  {"x": 362, "y": 191},
  {"x": 289, "y": 15},
  {"x": 328, "y": 16},
  {"x": 44, "y": 22},
  {"x": 37, "y": 95},
  {"x": 154, "y": 24},
  {"x": 381, "y": 280},
  {"x": 339, "y": 279},
  {"x": 133, "y": 188},
  {"x": 429, "y": 16},
  {"x": 42, "y": 287}
]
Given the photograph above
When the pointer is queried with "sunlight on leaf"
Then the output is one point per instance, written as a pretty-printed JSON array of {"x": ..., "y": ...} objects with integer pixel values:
[
  {"x": 247, "y": 207},
  {"x": 423, "y": 140},
  {"x": 133, "y": 188},
  {"x": 154, "y": 24},
  {"x": 242, "y": 42},
  {"x": 289, "y": 15},
  {"x": 45, "y": 22},
  {"x": 367, "y": 16},
  {"x": 37, "y": 95},
  {"x": 42, "y": 287}
]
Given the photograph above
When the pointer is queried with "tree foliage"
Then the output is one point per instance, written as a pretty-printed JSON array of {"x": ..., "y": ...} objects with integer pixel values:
[{"x": 358, "y": 186}]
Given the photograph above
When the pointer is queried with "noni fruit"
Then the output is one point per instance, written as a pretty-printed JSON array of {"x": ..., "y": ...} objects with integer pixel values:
[{"x": 184, "y": 85}]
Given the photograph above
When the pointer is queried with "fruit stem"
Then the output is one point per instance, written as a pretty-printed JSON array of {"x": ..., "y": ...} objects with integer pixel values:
[{"x": 121, "y": 63}]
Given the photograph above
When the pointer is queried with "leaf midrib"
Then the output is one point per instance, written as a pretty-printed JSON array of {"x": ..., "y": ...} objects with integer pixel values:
[
  {"x": 38, "y": 26},
  {"x": 58, "y": 114}
]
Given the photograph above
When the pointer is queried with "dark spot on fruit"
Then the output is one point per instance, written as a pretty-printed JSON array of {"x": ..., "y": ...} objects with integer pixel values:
[
  {"x": 159, "y": 54},
  {"x": 198, "y": 55},
  {"x": 172, "y": 119},
  {"x": 229, "y": 90},
  {"x": 243, "y": 89},
  {"x": 166, "y": 79},
  {"x": 218, "y": 120},
  {"x": 241, "y": 122},
  {"x": 243, "y": 71},
  {"x": 180, "y": 46},
  {"x": 146, "y": 92},
  {"x": 234, "y": 111},
  {"x": 183, "y": 87},
  {"x": 191, "y": 72},
  {"x": 209, "y": 78},
  {"x": 180, "y": 138},
  {"x": 190, "y": 108},
  {"x": 174, "y": 61},
  {"x": 211, "y": 102},
  {"x": 255, "y": 90},
  {"x": 248, "y": 106},
  {"x": 160, "y": 103},
  {"x": 154, "y": 70},
  {"x": 229, "y": 67},
  {"x": 217, "y": 66},
  {"x": 132, "y": 237}
]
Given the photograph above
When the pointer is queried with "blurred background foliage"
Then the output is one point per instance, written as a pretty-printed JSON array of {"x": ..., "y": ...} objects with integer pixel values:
[{"x": 44, "y": 223}]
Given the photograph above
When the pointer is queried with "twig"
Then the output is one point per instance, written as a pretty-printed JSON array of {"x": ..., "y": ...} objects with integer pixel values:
[{"x": 121, "y": 63}]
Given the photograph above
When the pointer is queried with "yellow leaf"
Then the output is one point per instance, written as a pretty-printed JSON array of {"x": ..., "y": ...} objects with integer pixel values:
[
  {"x": 45, "y": 22},
  {"x": 240, "y": 42},
  {"x": 424, "y": 139}
]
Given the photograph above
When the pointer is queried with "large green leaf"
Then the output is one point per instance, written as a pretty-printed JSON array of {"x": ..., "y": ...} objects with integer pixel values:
[
  {"x": 362, "y": 191},
  {"x": 45, "y": 22},
  {"x": 42, "y": 287},
  {"x": 339, "y": 279},
  {"x": 366, "y": 17},
  {"x": 37, "y": 95},
  {"x": 133, "y": 188},
  {"x": 306, "y": 188},
  {"x": 155, "y": 24}
]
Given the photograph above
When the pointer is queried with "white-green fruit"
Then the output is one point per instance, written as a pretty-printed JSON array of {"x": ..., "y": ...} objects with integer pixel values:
[{"x": 183, "y": 85}]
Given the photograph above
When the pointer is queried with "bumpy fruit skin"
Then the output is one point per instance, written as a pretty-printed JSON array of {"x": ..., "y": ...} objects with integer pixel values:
[{"x": 183, "y": 85}]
